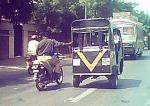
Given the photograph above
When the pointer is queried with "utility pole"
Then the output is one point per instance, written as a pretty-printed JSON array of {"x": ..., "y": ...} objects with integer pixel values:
[
  {"x": 84, "y": 4},
  {"x": 85, "y": 11}
]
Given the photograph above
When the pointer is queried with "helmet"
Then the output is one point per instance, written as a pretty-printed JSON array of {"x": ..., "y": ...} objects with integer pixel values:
[{"x": 34, "y": 36}]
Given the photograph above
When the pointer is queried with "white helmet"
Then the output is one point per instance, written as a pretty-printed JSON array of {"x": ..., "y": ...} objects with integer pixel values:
[{"x": 34, "y": 36}]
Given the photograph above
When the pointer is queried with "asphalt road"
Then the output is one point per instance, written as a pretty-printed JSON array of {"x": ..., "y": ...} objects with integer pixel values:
[{"x": 18, "y": 89}]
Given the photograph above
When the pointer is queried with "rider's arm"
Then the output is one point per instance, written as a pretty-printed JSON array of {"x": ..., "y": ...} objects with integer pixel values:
[{"x": 56, "y": 43}]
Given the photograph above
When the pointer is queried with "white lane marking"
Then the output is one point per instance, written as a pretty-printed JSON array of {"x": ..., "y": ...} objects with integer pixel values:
[
  {"x": 29, "y": 79},
  {"x": 15, "y": 88},
  {"x": 12, "y": 67},
  {"x": 82, "y": 95}
]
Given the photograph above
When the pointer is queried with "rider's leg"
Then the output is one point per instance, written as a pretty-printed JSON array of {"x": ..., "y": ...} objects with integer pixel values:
[
  {"x": 57, "y": 68},
  {"x": 27, "y": 64},
  {"x": 55, "y": 61}
]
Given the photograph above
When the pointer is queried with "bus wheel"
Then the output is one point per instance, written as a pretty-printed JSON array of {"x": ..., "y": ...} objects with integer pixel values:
[
  {"x": 113, "y": 81},
  {"x": 76, "y": 81},
  {"x": 133, "y": 56},
  {"x": 121, "y": 66},
  {"x": 140, "y": 54}
]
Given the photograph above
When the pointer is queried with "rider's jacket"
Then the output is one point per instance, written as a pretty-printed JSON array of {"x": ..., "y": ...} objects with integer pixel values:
[{"x": 46, "y": 47}]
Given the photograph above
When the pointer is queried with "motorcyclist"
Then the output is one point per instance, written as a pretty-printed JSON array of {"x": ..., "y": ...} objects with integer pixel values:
[
  {"x": 45, "y": 51},
  {"x": 31, "y": 50}
]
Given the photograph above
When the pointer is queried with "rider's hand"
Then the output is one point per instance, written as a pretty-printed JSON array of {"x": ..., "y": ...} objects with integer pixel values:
[{"x": 70, "y": 43}]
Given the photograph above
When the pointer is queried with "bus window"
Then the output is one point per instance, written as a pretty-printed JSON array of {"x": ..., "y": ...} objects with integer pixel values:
[{"x": 128, "y": 30}]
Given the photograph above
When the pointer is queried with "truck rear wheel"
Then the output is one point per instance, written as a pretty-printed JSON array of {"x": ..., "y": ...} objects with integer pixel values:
[
  {"x": 76, "y": 81},
  {"x": 113, "y": 81},
  {"x": 121, "y": 66},
  {"x": 133, "y": 56}
]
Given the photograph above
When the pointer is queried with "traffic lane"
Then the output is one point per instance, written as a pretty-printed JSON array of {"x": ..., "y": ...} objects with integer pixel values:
[
  {"x": 67, "y": 95},
  {"x": 64, "y": 95},
  {"x": 14, "y": 90},
  {"x": 130, "y": 92},
  {"x": 54, "y": 95},
  {"x": 133, "y": 88},
  {"x": 20, "y": 94},
  {"x": 9, "y": 77}
]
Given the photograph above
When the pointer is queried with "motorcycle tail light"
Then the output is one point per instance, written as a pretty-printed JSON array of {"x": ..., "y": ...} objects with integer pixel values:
[{"x": 42, "y": 67}]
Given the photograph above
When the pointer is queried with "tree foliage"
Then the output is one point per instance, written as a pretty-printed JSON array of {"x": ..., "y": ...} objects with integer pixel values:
[
  {"x": 56, "y": 16},
  {"x": 121, "y": 6},
  {"x": 16, "y": 10},
  {"x": 97, "y": 8}
]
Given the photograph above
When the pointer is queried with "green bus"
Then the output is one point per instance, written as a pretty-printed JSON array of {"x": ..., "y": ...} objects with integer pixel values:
[{"x": 132, "y": 36}]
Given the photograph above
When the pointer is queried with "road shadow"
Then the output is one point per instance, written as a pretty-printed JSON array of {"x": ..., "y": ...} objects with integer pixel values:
[
  {"x": 128, "y": 83},
  {"x": 143, "y": 57},
  {"x": 57, "y": 87},
  {"x": 100, "y": 84},
  {"x": 128, "y": 58},
  {"x": 10, "y": 78},
  {"x": 122, "y": 84}
]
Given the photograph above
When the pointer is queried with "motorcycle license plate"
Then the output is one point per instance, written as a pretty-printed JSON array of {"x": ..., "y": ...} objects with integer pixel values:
[{"x": 35, "y": 71}]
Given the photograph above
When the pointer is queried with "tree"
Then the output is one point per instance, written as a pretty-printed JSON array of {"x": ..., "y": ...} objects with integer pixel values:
[
  {"x": 121, "y": 6},
  {"x": 16, "y": 10},
  {"x": 97, "y": 8},
  {"x": 55, "y": 16}
]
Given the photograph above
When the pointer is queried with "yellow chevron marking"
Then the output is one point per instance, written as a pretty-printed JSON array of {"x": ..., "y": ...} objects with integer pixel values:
[{"x": 95, "y": 62}]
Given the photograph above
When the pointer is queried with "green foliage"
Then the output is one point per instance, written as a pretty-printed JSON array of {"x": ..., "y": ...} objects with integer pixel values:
[
  {"x": 55, "y": 16},
  {"x": 97, "y": 8},
  {"x": 121, "y": 6},
  {"x": 145, "y": 19}
]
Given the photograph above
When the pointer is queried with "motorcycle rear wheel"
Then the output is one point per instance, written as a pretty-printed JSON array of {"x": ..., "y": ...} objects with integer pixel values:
[{"x": 40, "y": 86}]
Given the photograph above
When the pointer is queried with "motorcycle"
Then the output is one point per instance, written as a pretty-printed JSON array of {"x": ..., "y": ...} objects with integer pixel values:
[{"x": 43, "y": 75}]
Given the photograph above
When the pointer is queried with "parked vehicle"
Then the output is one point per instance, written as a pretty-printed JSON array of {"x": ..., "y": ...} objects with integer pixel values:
[
  {"x": 97, "y": 50},
  {"x": 44, "y": 74},
  {"x": 132, "y": 36}
]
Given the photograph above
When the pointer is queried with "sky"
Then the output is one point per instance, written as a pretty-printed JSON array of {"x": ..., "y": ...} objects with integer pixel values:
[{"x": 144, "y": 5}]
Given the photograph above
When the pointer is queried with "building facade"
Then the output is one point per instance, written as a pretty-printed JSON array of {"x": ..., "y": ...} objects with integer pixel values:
[{"x": 14, "y": 39}]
